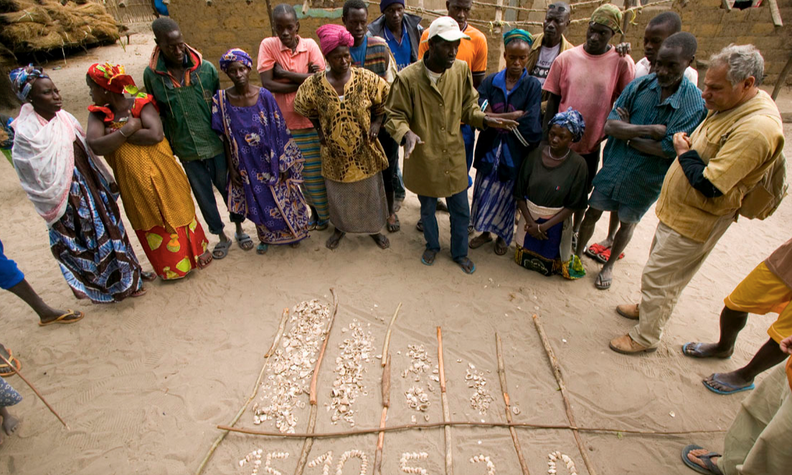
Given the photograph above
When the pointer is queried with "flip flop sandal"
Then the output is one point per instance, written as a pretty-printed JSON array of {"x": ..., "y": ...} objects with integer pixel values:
[
  {"x": 732, "y": 389},
  {"x": 479, "y": 241},
  {"x": 712, "y": 467},
  {"x": 262, "y": 249},
  {"x": 139, "y": 293},
  {"x": 243, "y": 240},
  {"x": 221, "y": 249},
  {"x": 594, "y": 252},
  {"x": 148, "y": 276},
  {"x": 500, "y": 249},
  {"x": 606, "y": 255},
  {"x": 603, "y": 284},
  {"x": 467, "y": 265},
  {"x": 206, "y": 261},
  {"x": 62, "y": 319},
  {"x": 428, "y": 257},
  {"x": 382, "y": 241},
  {"x": 691, "y": 349},
  {"x": 395, "y": 226},
  {"x": 5, "y": 370},
  {"x": 322, "y": 225}
]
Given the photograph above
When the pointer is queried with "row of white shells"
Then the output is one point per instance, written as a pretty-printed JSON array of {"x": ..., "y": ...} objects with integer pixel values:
[
  {"x": 355, "y": 351},
  {"x": 553, "y": 457},
  {"x": 484, "y": 459}
]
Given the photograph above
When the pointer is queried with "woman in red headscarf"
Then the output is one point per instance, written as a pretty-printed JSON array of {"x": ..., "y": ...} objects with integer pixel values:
[{"x": 154, "y": 188}]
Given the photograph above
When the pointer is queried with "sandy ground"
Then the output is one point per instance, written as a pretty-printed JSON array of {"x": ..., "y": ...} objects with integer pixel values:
[{"x": 143, "y": 383}]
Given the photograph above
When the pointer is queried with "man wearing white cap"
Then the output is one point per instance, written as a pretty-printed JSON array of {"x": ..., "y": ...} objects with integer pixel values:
[{"x": 427, "y": 102}]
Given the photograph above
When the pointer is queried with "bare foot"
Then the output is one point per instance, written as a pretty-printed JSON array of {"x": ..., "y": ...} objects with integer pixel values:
[
  {"x": 334, "y": 240},
  {"x": 204, "y": 260},
  {"x": 381, "y": 240},
  {"x": 607, "y": 243},
  {"x": 694, "y": 455},
  {"x": 706, "y": 350},
  {"x": 10, "y": 423}
]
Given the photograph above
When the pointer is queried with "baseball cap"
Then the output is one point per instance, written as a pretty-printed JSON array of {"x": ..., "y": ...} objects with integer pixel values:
[{"x": 446, "y": 28}]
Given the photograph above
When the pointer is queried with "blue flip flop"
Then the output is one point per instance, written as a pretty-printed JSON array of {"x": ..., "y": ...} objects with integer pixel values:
[
  {"x": 712, "y": 468},
  {"x": 461, "y": 262},
  {"x": 430, "y": 261},
  {"x": 733, "y": 389}
]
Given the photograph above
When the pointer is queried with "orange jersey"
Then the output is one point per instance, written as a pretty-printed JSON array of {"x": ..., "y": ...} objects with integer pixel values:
[{"x": 472, "y": 51}]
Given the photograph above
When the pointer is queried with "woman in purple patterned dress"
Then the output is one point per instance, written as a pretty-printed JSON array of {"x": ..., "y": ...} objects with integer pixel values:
[{"x": 265, "y": 165}]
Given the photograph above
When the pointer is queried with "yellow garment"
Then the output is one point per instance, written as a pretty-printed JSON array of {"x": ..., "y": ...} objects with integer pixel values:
[
  {"x": 154, "y": 188},
  {"x": 762, "y": 292},
  {"x": 437, "y": 167},
  {"x": 348, "y": 155},
  {"x": 736, "y": 157}
]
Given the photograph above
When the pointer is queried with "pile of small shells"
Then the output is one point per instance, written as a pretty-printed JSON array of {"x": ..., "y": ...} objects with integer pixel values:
[
  {"x": 348, "y": 385},
  {"x": 485, "y": 459},
  {"x": 292, "y": 366},
  {"x": 551, "y": 464},
  {"x": 407, "y": 456},
  {"x": 420, "y": 365},
  {"x": 481, "y": 398},
  {"x": 255, "y": 457}
]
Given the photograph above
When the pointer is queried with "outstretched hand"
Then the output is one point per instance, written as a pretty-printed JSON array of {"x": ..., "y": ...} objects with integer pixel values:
[
  {"x": 410, "y": 141},
  {"x": 623, "y": 49},
  {"x": 498, "y": 123}
]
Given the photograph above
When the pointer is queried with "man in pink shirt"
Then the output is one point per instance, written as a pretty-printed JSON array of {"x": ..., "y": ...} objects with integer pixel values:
[
  {"x": 589, "y": 78},
  {"x": 284, "y": 62}
]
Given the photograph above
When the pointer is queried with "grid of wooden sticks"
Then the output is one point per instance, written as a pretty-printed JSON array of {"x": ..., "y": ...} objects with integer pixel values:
[{"x": 310, "y": 435}]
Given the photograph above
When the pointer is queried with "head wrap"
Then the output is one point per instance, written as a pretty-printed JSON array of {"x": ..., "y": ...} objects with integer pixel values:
[
  {"x": 22, "y": 80},
  {"x": 113, "y": 78},
  {"x": 235, "y": 54},
  {"x": 332, "y": 36},
  {"x": 571, "y": 120},
  {"x": 608, "y": 15},
  {"x": 517, "y": 34},
  {"x": 384, "y": 4}
]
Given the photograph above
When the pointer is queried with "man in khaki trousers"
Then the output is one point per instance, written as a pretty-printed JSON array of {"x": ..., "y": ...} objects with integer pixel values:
[{"x": 727, "y": 155}]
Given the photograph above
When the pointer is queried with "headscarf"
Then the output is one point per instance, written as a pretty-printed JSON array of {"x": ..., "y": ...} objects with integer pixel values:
[
  {"x": 113, "y": 78},
  {"x": 22, "y": 80},
  {"x": 571, "y": 120},
  {"x": 332, "y": 36},
  {"x": 517, "y": 34},
  {"x": 235, "y": 54},
  {"x": 608, "y": 15}
]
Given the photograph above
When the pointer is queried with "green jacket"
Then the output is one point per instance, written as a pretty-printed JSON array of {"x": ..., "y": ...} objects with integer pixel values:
[{"x": 186, "y": 109}]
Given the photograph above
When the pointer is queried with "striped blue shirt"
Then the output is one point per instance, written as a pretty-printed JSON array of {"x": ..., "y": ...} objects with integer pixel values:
[{"x": 634, "y": 178}]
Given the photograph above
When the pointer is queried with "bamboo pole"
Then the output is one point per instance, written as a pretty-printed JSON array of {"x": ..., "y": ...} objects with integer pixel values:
[
  {"x": 775, "y": 13},
  {"x": 386, "y": 375},
  {"x": 567, "y": 405},
  {"x": 386, "y": 344},
  {"x": 507, "y": 401},
  {"x": 52, "y": 410},
  {"x": 726, "y": 5},
  {"x": 270, "y": 352},
  {"x": 306, "y": 450},
  {"x": 780, "y": 82},
  {"x": 437, "y": 425},
  {"x": 449, "y": 457}
]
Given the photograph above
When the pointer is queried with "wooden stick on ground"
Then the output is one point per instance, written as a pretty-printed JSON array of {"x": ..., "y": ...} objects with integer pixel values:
[
  {"x": 386, "y": 374},
  {"x": 437, "y": 425},
  {"x": 13, "y": 368},
  {"x": 560, "y": 380},
  {"x": 306, "y": 450},
  {"x": 270, "y": 352},
  {"x": 386, "y": 345},
  {"x": 507, "y": 401},
  {"x": 449, "y": 459}
]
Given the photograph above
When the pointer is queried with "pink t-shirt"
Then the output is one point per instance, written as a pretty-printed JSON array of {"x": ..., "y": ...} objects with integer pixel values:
[
  {"x": 272, "y": 51},
  {"x": 589, "y": 84}
]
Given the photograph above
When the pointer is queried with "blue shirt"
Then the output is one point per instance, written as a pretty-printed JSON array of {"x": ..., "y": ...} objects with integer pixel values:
[
  {"x": 634, "y": 178},
  {"x": 359, "y": 52},
  {"x": 402, "y": 51}
]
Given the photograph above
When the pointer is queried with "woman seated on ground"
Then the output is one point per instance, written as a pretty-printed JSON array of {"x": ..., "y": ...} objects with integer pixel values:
[
  {"x": 550, "y": 187},
  {"x": 154, "y": 188},
  {"x": 265, "y": 165},
  {"x": 510, "y": 94},
  {"x": 71, "y": 190},
  {"x": 346, "y": 105}
]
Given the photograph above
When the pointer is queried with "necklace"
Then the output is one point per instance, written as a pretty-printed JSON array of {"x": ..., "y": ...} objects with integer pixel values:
[{"x": 558, "y": 159}]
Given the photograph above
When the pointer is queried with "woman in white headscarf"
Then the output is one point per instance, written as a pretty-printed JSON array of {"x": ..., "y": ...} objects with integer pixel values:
[{"x": 71, "y": 190}]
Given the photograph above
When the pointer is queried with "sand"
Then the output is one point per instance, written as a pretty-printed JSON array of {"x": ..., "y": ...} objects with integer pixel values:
[{"x": 143, "y": 383}]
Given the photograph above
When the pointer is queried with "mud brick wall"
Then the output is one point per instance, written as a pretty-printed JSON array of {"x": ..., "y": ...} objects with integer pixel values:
[
  {"x": 714, "y": 28},
  {"x": 226, "y": 24}
]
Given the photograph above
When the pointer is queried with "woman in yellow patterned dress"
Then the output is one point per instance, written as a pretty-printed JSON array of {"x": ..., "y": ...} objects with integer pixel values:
[
  {"x": 346, "y": 105},
  {"x": 154, "y": 188}
]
